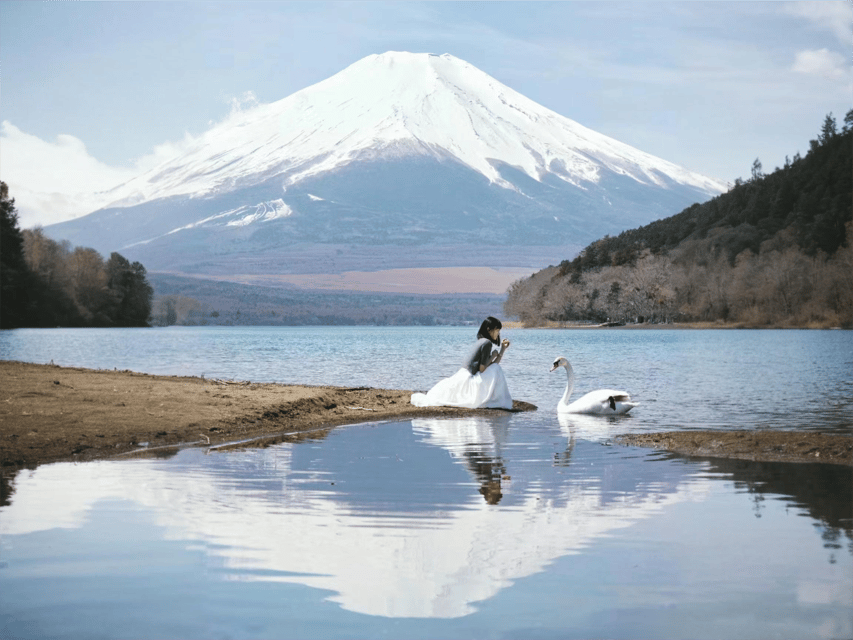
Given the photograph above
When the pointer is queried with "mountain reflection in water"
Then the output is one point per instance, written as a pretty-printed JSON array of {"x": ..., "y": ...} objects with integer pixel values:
[
  {"x": 444, "y": 518},
  {"x": 272, "y": 521}
]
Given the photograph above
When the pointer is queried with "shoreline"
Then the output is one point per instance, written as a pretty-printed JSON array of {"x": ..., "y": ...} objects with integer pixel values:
[
  {"x": 742, "y": 444},
  {"x": 50, "y": 413},
  {"x": 672, "y": 326}
]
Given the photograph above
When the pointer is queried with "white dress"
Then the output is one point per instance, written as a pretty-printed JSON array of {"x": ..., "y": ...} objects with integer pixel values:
[{"x": 486, "y": 390}]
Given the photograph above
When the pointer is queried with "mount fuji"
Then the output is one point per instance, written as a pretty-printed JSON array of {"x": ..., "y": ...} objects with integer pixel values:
[{"x": 400, "y": 161}]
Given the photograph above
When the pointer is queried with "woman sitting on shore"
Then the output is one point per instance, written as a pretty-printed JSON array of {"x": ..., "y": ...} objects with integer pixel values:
[{"x": 480, "y": 383}]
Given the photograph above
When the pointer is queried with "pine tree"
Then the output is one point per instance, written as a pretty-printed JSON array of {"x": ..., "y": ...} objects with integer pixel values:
[
  {"x": 756, "y": 170},
  {"x": 14, "y": 274},
  {"x": 829, "y": 129},
  {"x": 130, "y": 291}
]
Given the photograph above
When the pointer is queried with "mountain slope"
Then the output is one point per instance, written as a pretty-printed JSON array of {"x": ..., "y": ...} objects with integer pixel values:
[{"x": 416, "y": 153}]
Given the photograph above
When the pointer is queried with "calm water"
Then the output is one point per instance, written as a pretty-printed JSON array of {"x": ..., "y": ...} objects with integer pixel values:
[{"x": 513, "y": 526}]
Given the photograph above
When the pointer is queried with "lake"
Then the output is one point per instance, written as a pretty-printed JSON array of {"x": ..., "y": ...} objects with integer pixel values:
[{"x": 514, "y": 526}]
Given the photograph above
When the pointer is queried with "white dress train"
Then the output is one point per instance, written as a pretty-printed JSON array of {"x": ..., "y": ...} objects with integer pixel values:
[{"x": 486, "y": 390}]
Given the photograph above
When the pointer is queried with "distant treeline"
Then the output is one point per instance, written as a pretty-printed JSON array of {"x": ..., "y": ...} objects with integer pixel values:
[
  {"x": 197, "y": 301},
  {"x": 773, "y": 251},
  {"x": 50, "y": 284}
]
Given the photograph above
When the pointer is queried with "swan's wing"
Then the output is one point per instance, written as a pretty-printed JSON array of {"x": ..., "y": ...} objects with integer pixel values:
[
  {"x": 592, "y": 402},
  {"x": 602, "y": 401},
  {"x": 614, "y": 393}
]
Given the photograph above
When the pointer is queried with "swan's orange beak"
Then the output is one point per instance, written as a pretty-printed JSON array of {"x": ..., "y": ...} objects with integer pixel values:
[{"x": 554, "y": 367}]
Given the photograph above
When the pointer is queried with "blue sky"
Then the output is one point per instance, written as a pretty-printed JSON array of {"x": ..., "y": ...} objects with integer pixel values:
[{"x": 95, "y": 92}]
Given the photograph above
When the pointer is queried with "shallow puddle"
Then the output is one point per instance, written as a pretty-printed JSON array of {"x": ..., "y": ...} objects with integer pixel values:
[{"x": 517, "y": 526}]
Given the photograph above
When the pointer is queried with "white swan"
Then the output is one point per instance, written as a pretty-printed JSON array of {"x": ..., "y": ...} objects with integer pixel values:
[{"x": 604, "y": 402}]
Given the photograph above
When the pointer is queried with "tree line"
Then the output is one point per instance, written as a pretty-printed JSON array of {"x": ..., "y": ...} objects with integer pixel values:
[
  {"x": 44, "y": 283},
  {"x": 775, "y": 250},
  {"x": 198, "y": 301}
]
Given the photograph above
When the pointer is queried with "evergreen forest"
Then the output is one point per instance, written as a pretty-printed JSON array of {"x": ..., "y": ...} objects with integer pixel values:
[
  {"x": 776, "y": 250},
  {"x": 44, "y": 283}
]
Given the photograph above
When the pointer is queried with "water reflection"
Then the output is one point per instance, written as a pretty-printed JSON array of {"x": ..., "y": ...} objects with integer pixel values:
[
  {"x": 278, "y": 515},
  {"x": 824, "y": 491},
  {"x": 593, "y": 428},
  {"x": 475, "y": 441}
]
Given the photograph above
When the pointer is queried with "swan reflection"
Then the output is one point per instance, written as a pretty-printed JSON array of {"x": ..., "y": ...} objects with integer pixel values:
[
  {"x": 591, "y": 427},
  {"x": 269, "y": 514}
]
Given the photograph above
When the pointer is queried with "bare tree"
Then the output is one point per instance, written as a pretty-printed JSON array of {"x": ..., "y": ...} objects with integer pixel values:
[{"x": 89, "y": 279}]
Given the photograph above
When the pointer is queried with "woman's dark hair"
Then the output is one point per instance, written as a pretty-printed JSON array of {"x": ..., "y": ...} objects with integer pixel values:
[{"x": 487, "y": 326}]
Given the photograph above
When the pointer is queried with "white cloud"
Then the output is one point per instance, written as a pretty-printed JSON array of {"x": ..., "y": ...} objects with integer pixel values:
[
  {"x": 822, "y": 62},
  {"x": 64, "y": 164},
  {"x": 56, "y": 181},
  {"x": 242, "y": 103},
  {"x": 60, "y": 180},
  {"x": 835, "y": 16},
  {"x": 162, "y": 153}
]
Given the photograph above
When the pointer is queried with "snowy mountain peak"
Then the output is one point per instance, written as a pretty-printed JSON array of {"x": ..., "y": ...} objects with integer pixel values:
[
  {"x": 400, "y": 160},
  {"x": 400, "y": 104}
]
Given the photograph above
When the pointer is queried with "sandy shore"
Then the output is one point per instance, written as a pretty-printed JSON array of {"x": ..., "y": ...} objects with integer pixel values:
[{"x": 50, "y": 413}]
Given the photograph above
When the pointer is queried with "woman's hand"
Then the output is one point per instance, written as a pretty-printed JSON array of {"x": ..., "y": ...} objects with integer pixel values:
[{"x": 497, "y": 355}]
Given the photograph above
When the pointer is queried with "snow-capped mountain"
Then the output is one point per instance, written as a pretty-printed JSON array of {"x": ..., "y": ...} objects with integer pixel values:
[{"x": 400, "y": 159}]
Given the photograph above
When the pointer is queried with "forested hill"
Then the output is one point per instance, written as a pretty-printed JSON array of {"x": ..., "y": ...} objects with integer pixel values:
[
  {"x": 774, "y": 250},
  {"x": 44, "y": 283},
  {"x": 809, "y": 197}
]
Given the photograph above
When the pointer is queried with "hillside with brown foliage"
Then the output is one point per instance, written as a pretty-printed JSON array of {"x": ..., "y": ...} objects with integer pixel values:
[{"x": 773, "y": 251}]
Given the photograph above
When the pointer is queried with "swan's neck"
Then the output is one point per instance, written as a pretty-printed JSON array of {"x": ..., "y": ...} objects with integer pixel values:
[{"x": 570, "y": 384}]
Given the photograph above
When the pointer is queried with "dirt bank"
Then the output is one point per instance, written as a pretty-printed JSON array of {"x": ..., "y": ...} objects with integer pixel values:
[
  {"x": 50, "y": 413},
  {"x": 765, "y": 446}
]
